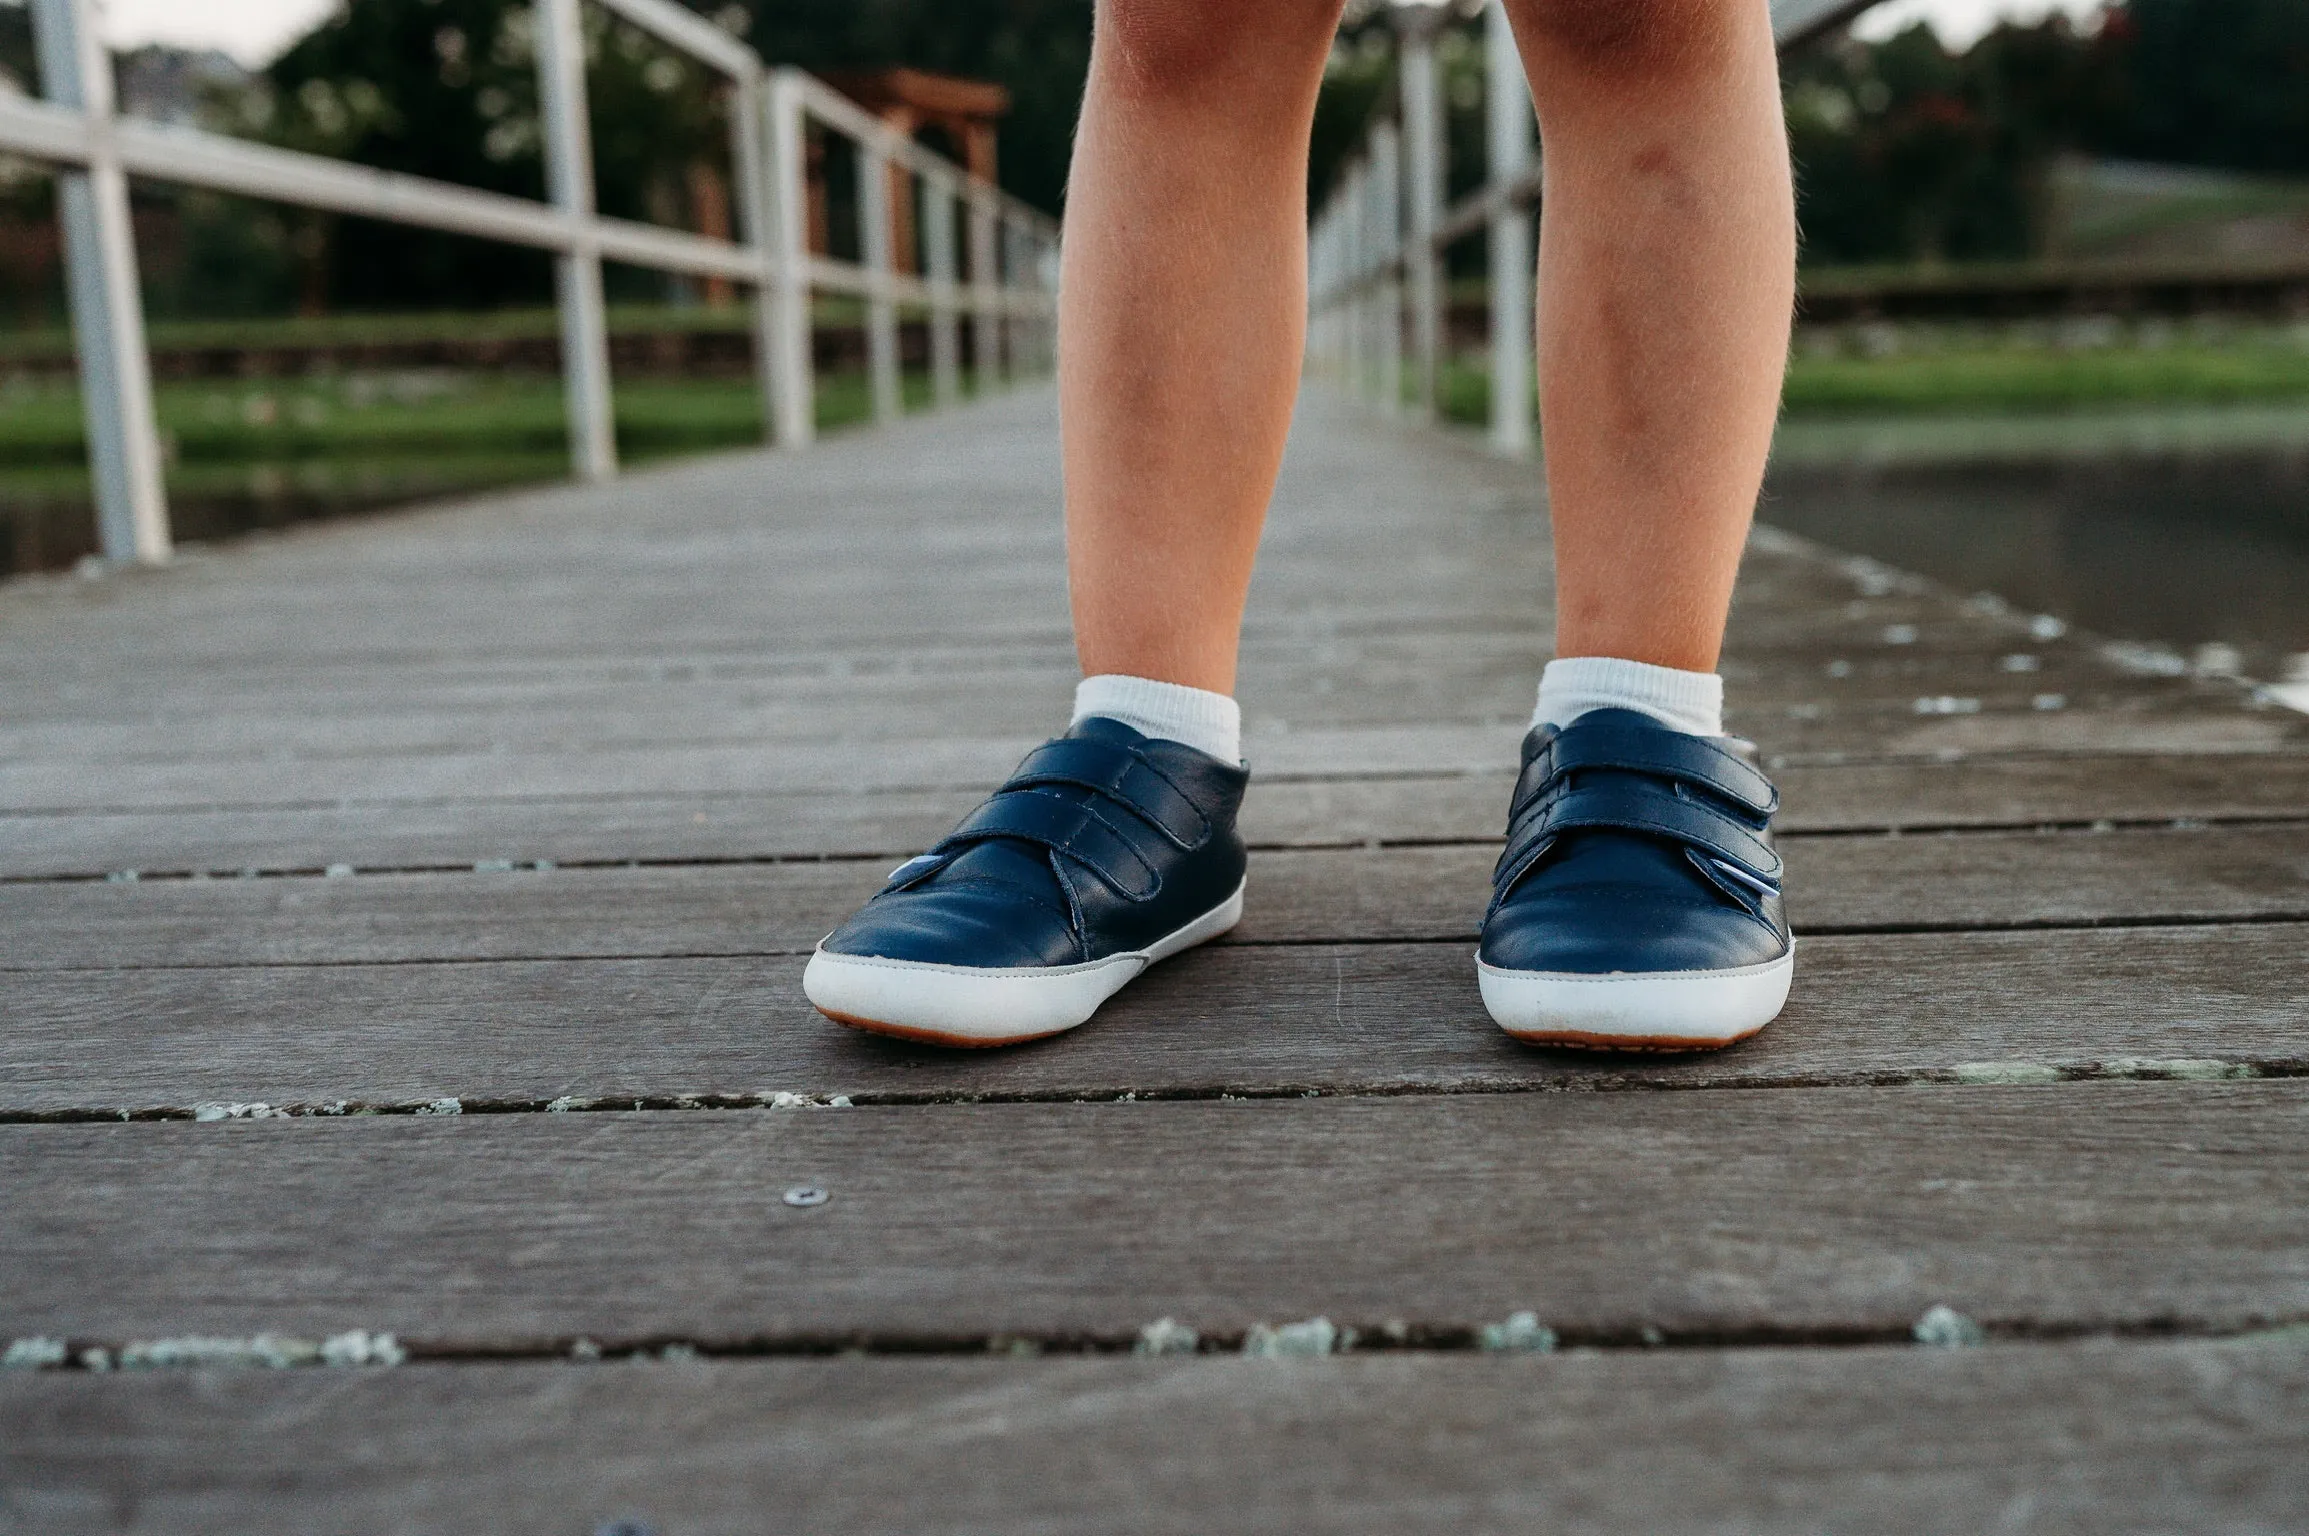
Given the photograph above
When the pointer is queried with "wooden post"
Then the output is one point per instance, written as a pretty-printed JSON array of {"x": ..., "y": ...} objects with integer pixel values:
[
  {"x": 1335, "y": 287},
  {"x": 985, "y": 321},
  {"x": 107, "y": 308},
  {"x": 1353, "y": 229},
  {"x": 1513, "y": 274},
  {"x": 1007, "y": 322},
  {"x": 945, "y": 337},
  {"x": 793, "y": 394},
  {"x": 1371, "y": 254},
  {"x": 1423, "y": 151},
  {"x": 1316, "y": 360},
  {"x": 874, "y": 181},
  {"x": 749, "y": 164},
  {"x": 1387, "y": 236},
  {"x": 577, "y": 272},
  {"x": 1046, "y": 283}
]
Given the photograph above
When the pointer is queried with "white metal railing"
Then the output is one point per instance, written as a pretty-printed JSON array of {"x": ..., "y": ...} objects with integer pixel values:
[
  {"x": 1375, "y": 251},
  {"x": 1008, "y": 296}
]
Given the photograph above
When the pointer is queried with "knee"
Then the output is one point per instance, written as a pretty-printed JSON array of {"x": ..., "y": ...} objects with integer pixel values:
[
  {"x": 1624, "y": 38},
  {"x": 1180, "y": 47}
]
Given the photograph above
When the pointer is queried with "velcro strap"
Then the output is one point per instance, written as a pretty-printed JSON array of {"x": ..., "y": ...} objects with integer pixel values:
[
  {"x": 1636, "y": 805},
  {"x": 1591, "y": 742},
  {"x": 1120, "y": 774},
  {"x": 1071, "y": 827}
]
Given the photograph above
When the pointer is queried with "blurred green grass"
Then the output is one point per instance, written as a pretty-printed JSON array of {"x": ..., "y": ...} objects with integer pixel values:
[
  {"x": 1992, "y": 378},
  {"x": 2036, "y": 380},
  {"x": 277, "y": 421}
]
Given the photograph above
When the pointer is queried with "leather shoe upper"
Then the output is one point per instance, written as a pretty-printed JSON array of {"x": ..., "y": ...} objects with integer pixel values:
[
  {"x": 1103, "y": 841},
  {"x": 1634, "y": 847}
]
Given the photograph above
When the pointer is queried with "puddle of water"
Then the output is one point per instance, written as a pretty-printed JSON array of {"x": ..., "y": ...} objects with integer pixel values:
[{"x": 2182, "y": 529}]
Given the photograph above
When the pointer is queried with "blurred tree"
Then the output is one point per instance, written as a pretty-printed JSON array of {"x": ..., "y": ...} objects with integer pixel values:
[
  {"x": 1905, "y": 151},
  {"x": 448, "y": 89},
  {"x": 17, "y": 63},
  {"x": 1039, "y": 50},
  {"x": 29, "y": 285},
  {"x": 2217, "y": 83}
]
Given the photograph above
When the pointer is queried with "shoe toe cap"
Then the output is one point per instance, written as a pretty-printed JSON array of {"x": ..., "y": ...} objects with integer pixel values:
[
  {"x": 982, "y": 928},
  {"x": 1599, "y": 933}
]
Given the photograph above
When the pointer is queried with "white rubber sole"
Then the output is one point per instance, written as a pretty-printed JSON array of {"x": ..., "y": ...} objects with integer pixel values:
[
  {"x": 972, "y": 1006},
  {"x": 1638, "y": 1011}
]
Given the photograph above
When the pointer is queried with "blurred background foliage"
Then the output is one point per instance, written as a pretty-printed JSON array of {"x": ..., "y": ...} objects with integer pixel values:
[{"x": 1907, "y": 151}]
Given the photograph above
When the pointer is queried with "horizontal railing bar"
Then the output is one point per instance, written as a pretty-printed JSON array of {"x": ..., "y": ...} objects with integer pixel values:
[
  {"x": 222, "y": 164},
  {"x": 905, "y": 288},
  {"x": 691, "y": 33},
  {"x": 192, "y": 156},
  {"x": 40, "y": 131}
]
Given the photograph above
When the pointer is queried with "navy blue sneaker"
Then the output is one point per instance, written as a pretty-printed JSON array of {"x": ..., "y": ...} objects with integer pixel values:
[
  {"x": 1105, "y": 852},
  {"x": 1637, "y": 905}
]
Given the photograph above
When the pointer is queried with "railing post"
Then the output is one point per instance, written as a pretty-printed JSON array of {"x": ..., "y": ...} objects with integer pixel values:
[
  {"x": 1007, "y": 263},
  {"x": 577, "y": 271},
  {"x": 945, "y": 334},
  {"x": 874, "y": 181},
  {"x": 985, "y": 321},
  {"x": 107, "y": 308},
  {"x": 1351, "y": 278},
  {"x": 793, "y": 381},
  {"x": 1513, "y": 271},
  {"x": 1424, "y": 176},
  {"x": 1335, "y": 273},
  {"x": 1043, "y": 324},
  {"x": 1387, "y": 232},
  {"x": 749, "y": 165},
  {"x": 1318, "y": 247}
]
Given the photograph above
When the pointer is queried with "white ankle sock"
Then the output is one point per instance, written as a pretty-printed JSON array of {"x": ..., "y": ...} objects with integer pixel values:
[
  {"x": 1684, "y": 701},
  {"x": 1208, "y": 722}
]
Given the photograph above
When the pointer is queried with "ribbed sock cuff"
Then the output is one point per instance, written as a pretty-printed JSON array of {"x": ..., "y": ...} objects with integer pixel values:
[
  {"x": 1209, "y": 722},
  {"x": 1684, "y": 701}
]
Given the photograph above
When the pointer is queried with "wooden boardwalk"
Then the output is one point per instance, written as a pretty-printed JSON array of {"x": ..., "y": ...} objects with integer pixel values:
[{"x": 403, "y": 930}]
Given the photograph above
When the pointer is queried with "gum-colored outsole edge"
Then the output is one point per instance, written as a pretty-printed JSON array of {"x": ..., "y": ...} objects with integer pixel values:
[
  {"x": 934, "y": 1037},
  {"x": 1656, "y": 1045}
]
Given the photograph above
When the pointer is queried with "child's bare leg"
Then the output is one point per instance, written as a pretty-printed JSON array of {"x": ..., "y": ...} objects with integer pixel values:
[
  {"x": 1667, "y": 261},
  {"x": 1182, "y": 318}
]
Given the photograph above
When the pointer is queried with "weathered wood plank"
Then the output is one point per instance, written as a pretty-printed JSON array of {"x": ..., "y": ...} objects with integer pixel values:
[
  {"x": 2197, "y": 1436},
  {"x": 1973, "y": 792},
  {"x": 1245, "y": 1020},
  {"x": 1842, "y": 884},
  {"x": 1318, "y": 681},
  {"x": 2127, "y": 726},
  {"x": 2084, "y": 1206}
]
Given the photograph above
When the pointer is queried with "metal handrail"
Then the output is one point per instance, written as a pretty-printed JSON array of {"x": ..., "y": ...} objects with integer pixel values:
[
  {"x": 1008, "y": 299},
  {"x": 1377, "y": 245}
]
